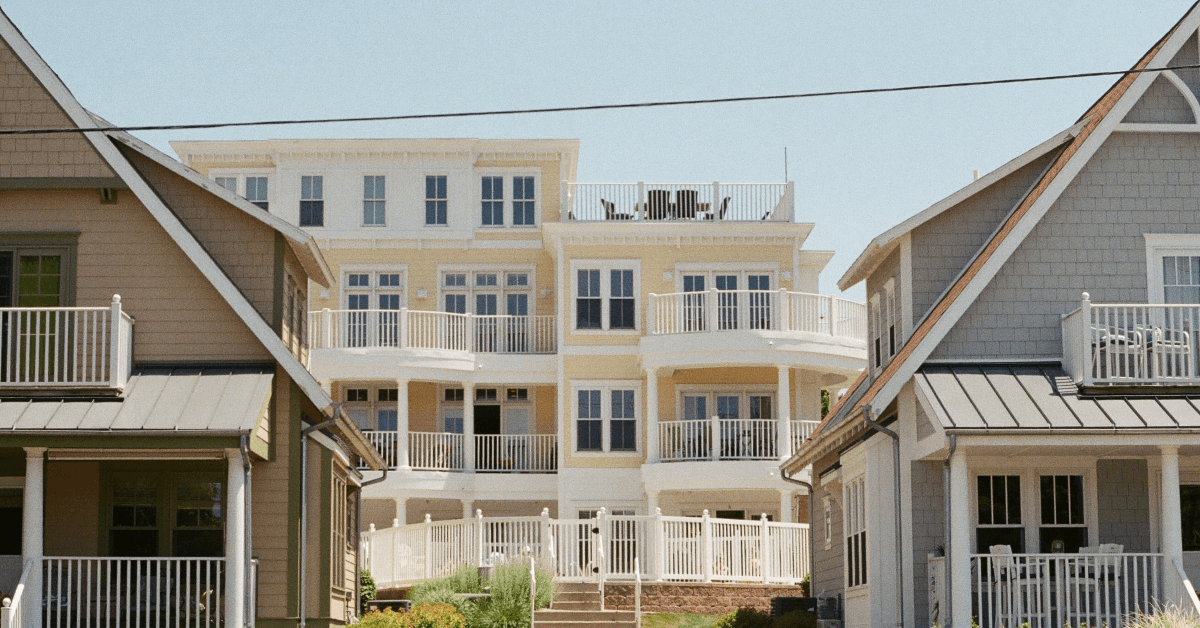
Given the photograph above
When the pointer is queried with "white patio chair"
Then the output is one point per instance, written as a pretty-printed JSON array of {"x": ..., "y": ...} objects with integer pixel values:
[
  {"x": 1016, "y": 586},
  {"x": 1097, "y": 575},
  {"x": 1171, "y": 350}
]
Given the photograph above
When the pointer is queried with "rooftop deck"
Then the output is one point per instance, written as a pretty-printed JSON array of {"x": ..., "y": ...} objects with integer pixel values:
[{"x": 663, "y": 202}]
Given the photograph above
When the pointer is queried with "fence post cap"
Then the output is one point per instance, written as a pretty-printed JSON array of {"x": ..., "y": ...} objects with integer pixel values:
[
  {"x": 658, "y": 512},
  {"x": 395, "y": 522},
  {"x": 479, "y": 513},
  {"x": 705, "y": 512},
  {"x": 1087, "y": 297},
  {"x": 428, "y": 519},
  {"x": 116, "y": 299},
  {"x": 372, "y": 528}
]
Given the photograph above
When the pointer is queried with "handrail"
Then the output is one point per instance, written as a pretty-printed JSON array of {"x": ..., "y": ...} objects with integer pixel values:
[
  {"x": 11, "y": 616},
  {"x": 66, "y": 347},
  {"x": 1187, "y": 583}
]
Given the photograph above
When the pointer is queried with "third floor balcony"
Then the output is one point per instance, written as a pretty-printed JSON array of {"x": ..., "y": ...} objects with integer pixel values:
[
  {"x": 1131, "y": 344},
  {"x": 662, "y": 202}
]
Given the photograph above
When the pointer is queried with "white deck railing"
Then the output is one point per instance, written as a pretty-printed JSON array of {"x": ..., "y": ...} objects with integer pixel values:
[
  {"x": 67, "y": 347},
  {"x": 1131, "y": 344},
  {"x": 516, "y": 453},
  {"x": 386, "y": 443},
  {"x": 494, "y": 453},
  {"x": 679, "y": 201},
  {"x": 740, "y": 439},
  {"x": 801, "y": 430},
  {"x": 93, "y": 592},
  {"x": 774, "y": 310},
  {"x": 1055, "y": 590},
  {"x": 435, "y": 451},
  {"x": 691, "y": 549},
  {"x": 13, "y": 615},
  {"x": 417, "y": 329}
]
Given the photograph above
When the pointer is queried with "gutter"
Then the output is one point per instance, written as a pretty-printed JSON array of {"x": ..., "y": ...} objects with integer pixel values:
[
  {"x": 358, "y": 540},
  {"x": 870, "y": 422},
  {"x": 812, "y": 543},
  {"x": 248, "y": 558},
  {"x": 946, "y": 516},
  {"x": 304, "y": 509}
]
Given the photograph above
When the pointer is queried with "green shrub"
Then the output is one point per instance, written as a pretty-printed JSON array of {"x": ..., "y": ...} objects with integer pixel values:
[
  {"x": 387, "y": 618},
  {"x": 796, "y": 619},
  {"x": 806, "y": 585},
  {"x": 745, "y": 618},
  {"x": 366, "y": 585},
  {"x": 432, "y": 616}
]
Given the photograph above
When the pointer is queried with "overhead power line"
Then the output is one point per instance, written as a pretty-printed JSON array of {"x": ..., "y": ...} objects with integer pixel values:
[{"x": 637, "y": 105}]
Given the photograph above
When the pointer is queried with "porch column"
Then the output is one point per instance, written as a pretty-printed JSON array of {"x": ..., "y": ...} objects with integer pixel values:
[
  {"x": 235, "y": 540},
  {"x": 402, "y": 461},
  {"x": 32, "y": 530},
  {"x": 784, "y": 400},
  {"x": 1172, "y": 527},
  {"x": 468, "y": 509},
  {"x": 402, "y": 511},
  {"x": 960, "y": 543},
  {"x": 785, "y": 507},
  {"x": 651, "y": 502},
  {"x": 652, "y": 448},
  {"x": 468, "y": 427}
]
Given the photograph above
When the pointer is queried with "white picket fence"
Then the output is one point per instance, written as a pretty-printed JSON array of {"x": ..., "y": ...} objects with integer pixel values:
[{"x": 606, "y": 547}]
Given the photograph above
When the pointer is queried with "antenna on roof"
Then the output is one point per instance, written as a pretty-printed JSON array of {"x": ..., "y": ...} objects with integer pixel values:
[{"x": 785, "y": 179}]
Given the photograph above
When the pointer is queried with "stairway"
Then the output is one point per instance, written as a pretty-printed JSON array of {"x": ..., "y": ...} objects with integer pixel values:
[{"x": 577, "y": 605}]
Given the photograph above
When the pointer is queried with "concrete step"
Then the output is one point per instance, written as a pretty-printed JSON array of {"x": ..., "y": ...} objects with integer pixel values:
[
  {"x": 581, "y": 605},
  {"x": 578, "y": 587},
  {"x": 585, "y": 624},
  {"x": 584, "y": 617}
]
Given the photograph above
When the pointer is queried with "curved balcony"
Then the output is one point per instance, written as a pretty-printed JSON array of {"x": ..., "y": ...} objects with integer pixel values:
[
  {"x": 755, "y": 327},
  {"x": 436, "y": 345}
]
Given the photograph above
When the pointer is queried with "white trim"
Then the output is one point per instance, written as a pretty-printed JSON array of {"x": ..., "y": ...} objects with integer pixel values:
[
  {"x": 606, "y": 386},
  {"x": 1031, "y": 473},
  {"x": 500, "y": 289},
  {"x": 603, "y": 266},
  {"x": 710, "y": 271},
  {"x": 1158, "y": 246},
  {"x": 1156, "y": 127},
  {"x": 1186, "y": 92}
]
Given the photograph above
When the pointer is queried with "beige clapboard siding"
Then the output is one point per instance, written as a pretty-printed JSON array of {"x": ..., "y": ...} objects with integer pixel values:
[
  {"x": 270, "y": 509},
  {"x": 242, "y": 246},
  {"x": 24, "y": 104},
  {"x": 123, "y": 250}
]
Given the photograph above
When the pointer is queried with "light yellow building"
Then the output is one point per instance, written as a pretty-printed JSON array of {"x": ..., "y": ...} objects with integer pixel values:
[{"x": 627, "y": 346}]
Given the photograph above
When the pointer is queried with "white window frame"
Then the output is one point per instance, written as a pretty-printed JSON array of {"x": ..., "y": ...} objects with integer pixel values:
[
  {"x": 875, "y": 360},
  {"x": 605, "y": 267},
  {"x": 1031, "y": 507},
  {"x": 231, "y": 177},
  {"x": 320, "y": 199},
  {"x": 501, "y": 400},
  {"x": 501, "y": 289},
  {"x": 742, "y": 391},
  {"x": 606, "y": 386},
  {"x": 374, "y": 289},
  {"x": 1160, "y": 245},
  {"x": 726, "y": 268},
  {"x": 423, "y": 179},
  {"x": 508, "y": 210},
  {"x": 372, "y": 405},
  {"x": 380, "y": 199},
  {"x": 246, "y": 188},
  {"x": 827, "y": 502}
]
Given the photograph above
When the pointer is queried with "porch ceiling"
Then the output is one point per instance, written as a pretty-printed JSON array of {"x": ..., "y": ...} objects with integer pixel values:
[
  {"x": 999, "y": 397},
  {"x": 179, "y": 399}
]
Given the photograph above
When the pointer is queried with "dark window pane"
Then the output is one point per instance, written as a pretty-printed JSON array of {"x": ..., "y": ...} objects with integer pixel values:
[
  {"x": 133, "y": 543},
  {"x": 589, "y": 435},
  {"x": 620, "y": 314},
  {"x": 1189, "y": 510},
  {"x": 1062, "y": 499},
  {"x": 1014, "y": 499},
  {"x": 199, "y": 543},
  {"x": 587, "y": 314},
  {"x": 1047, "y": 499},
  {"x": 1076, "y": 483},
  {"x": 984, "y": 492},
  {"x": 1072, "y": 538},
  {"x": 1012, "y": 537},
  {"x": 623, "y": 435}
]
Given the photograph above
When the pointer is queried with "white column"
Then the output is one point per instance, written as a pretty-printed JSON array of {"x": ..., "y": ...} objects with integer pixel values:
[
  {"x": 651, "y": 501},
  {"x": 785, "y": 507},
  {"x": 960, "y": 543},
  {"x": 235, "y": 540},
  {"x": 1172, "y": 527},
  {"x": 783, "y": 398},
  {"x": 652, "y": 448},
  {"x": 402, "y": 424},
  {"x": 469, "y": 427},
  {"x": 468, "y": 509},
  {"x": 32, "y": 530},
  {"x": 401, "y": 510}
]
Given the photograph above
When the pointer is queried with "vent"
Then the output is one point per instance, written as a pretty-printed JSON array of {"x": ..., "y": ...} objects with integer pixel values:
[{"x": 108, "y": 196}]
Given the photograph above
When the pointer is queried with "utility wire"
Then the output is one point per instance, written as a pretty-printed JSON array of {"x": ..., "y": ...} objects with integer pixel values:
[{"x": 638, "y": 105}]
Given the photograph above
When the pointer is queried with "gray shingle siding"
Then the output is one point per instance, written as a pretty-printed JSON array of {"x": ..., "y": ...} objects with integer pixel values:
[
  {"x": 1090, "y": 241},
  {"x": 944, "y": 245},
  {"x": 1123, "y": 503},
  {"x": 827, "y": 564},
  {"x": 1161, "y": 103},
  {"x": 928, "y": 529},
  {"x": 1188, "y": 55}
]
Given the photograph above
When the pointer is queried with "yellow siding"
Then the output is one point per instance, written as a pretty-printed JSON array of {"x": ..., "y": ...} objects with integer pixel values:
[
  {"x": 422, "y": 407},
  {"x": 437, "y": 509},
  {"x": 123, "y": 250},
  {"x": 72, "y": 508},
  {"x": 547, "y": 410}
]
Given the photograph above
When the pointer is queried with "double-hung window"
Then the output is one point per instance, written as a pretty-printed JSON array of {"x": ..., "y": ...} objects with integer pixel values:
[
  {"x": 606, "y": 417},
  {"x": 1063, "y": 526},
  {"x": 435, "y": 200},
  {"x": 523, "y": 201},
  {"x": 596, "y": 285},
  {"x": 855, "y": 499},
  {"x": 493, "y": 201},
  {"x": 312, "y": 201},
  {"x": 374, "y": 203},
  {"x": 998, "y": 501},
  {"x": 256, "y": 191},
  {"x": 229, "y": 183}
]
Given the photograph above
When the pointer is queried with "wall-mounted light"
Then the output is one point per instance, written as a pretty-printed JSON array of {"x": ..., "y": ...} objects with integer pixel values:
[
  {"x": 667, "y": 276},
  {"x": 422, "y": 293},
  {"x": 787, "y": 274},
  {"x": 545, "y": 293}
]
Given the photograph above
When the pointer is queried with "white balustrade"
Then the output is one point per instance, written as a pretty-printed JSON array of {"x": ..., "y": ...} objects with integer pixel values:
[
  {"x": 801, "y": 430},
  {"x": 386, "y": 444},
  {"x": 680, "y": 201},
  {"x": 435, "y": 451},
  {"x": 739, "y": 439},
  {"x": 516, "y": 453},
  {"x": 116, "y": 592},
  {"x": 417, "y": 329},
  {"x": 65, "y": 347},
  {"x": 623, "y": 547},
  {"x": 1132, "y": 344},
  {"x": 13, "y": 615},
  {"x": 1053, "y": 590},
  {"x": 777, "y": 310}
]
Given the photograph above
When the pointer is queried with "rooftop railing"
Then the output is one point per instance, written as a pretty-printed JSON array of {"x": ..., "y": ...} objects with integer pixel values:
[{"x": 715, "y": 201}]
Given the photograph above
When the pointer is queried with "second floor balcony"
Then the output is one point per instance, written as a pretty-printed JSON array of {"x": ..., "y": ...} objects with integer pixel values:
[
  {"x": 63, "y": 349},
  {"x": 1131, "y": 344},
  {"x": 736, "y": 439},
  {"x": 440, "y": 331},
  {"x": 472, "y": 453}
]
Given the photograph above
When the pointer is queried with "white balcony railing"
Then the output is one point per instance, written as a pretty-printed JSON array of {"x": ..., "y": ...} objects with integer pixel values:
[
  {"x": 740, "y": 439},
  {"x": 65, "y": 347},
  {"x": 435, "y": 451},
  {"x": 91, "y": 592},
  {"x": 801, "y": 430},
  {"x": 612, "y": 547},
  {"x": 1131, "y": 344},
  {"x": 679, "y": 201},
  {"x": 767, "y": 310},
  {"x": 417, "y": 329},
  {"x": 494, "y": 453},
  {"x": 516, "y": 453},
  {"x": 1053, "y": 590},
  {"x": 13, "y": 615}
]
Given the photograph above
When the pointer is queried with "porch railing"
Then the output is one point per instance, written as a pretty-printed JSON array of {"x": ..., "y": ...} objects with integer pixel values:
[
  {"x": 516, "y": 453},
  {"x": 435, "y": 451},
  {"x": 801, "y": 430},
  {"x": 13, "y": 615},
  {"x": 1054, "y": 590},
  {"x": 65, "y": 347},
  {"x": 494, "y": 453},
  {"x": 643, "y": 201},
  {"x": 417, "y": 329},
  {"x": 656, "y": 547},
  {"x": 766, "y": 310},
  {"x": 738, "y": 439},
  {"x": 93, "y": 592},
  {"x": 1131, "y": 344}
]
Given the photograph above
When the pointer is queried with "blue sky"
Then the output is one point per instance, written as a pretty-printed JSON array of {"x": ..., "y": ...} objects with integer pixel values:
[{"x": 861, "y": 164}]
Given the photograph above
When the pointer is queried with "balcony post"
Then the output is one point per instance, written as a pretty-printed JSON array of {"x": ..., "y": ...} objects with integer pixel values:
[
  {"x": 706, "y": 547},
  {"x": 235, "y": 540},
  {"x": 764, "y": 552},
  {"x": 657, "y": 550},
  {"x": 715, "y": 439},
  {"x": 32, "y": 531},
  {"x": 326, "y": 331},
  {"x": 479, "y": 536},
  {"x": 714, "y": 314},
  {"x": 564, "y": 199},
  {"x": 546, "y": 533},
  {"x": 1172, "y": 526},
  {"x": 653, "y": 453},
  {"x": 469, "y": 337},
  {"x": 428, "y": 546},
  {"x": 716, "y": 200},
  {"x": 402, "y": 461},
  {"x": 832, "y": 303},
  {"x": 402, "y": 341},
  {"x": 783, "y": 443},
  {"x": 115, "y": 342},
  {"x": 786, "y": 513},
  {"x": 469, "y": 427},
  {"x": 401, "y": 511},
  {"x": 641, "y": 199},
  {"x": 651, "y": 313},
  {"x": 1085, "y": 344}
]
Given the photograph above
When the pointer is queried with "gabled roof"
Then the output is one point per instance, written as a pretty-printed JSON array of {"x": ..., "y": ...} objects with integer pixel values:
[
  {"x": 1097, "y": 124},
  {"x": 179, "y": 233}
]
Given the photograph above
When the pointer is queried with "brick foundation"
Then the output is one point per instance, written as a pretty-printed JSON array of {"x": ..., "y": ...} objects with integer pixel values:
[{"x": 706, "y": 599}]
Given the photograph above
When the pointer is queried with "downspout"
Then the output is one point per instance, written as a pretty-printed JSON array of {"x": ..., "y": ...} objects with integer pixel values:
[
  {"x": 358, "y": 539},
  {"x": 251, "y": 606},
  {"x": 304, "y": 510},
  {"x": 812, "y": 544},
  {"x": 946, "y": 517},
  {"x": 896, "y": 478}
]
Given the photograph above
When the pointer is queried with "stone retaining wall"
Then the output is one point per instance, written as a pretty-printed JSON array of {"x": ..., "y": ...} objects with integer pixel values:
[{"x": 707, "y": 599}]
